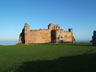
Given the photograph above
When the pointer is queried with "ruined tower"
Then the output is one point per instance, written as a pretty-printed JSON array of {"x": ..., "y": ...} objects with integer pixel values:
[
  {"x": 94, "y": 38},
  {"x": 53, "y": 27},
  {"x": 27, "y": 33}
]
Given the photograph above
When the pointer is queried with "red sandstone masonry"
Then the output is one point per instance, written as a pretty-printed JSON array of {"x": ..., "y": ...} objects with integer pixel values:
[
  {"x": 52, "y": 34},
  {"x": 40, "y": 36}
]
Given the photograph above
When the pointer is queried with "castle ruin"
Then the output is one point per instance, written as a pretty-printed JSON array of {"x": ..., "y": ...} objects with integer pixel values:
[
  {"x": 94, "y": 38},
  {"x": 51, "y": 35}
]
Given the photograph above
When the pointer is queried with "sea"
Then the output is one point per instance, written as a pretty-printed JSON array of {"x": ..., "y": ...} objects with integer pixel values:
[{"x": 9, "y": 43}]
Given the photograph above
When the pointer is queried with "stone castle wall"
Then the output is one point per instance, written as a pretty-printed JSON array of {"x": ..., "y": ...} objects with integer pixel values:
[
  {"x": 40, "y": 36},
  {"x": 51, "y": 35}
]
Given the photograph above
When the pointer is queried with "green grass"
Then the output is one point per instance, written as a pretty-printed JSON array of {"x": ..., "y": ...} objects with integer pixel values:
[{"x": 67, "y": 57}]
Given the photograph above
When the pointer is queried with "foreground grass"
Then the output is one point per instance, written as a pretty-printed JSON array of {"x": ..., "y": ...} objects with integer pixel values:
[{"x": 67, "y": 57}]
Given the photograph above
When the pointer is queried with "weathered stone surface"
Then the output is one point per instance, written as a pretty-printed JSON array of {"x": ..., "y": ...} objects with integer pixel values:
[{"x": 51, "y": 35}]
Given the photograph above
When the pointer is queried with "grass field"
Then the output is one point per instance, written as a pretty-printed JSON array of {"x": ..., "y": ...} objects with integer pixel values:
[{"x": 67, "y": 57}]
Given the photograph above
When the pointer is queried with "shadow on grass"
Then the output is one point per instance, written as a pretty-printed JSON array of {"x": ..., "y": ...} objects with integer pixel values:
[{"x": 80, "y": 63}]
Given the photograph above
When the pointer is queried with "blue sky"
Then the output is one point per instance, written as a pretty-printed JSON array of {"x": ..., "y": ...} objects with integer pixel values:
[{"x": 77, "y": 14}]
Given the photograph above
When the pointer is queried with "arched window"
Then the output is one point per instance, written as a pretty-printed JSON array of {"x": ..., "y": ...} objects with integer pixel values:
[
  {"x": 56, "y": 27},
  {"x": 58, "y": 38},
  {"x": 61, "y": 37}
]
